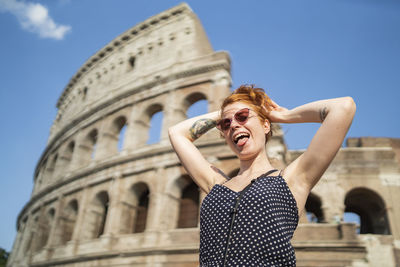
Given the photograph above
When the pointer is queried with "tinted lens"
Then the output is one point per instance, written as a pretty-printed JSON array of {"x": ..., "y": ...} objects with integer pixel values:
[
  {"x": 242, "y": 115},
  {"x": 225, "y": 124}
]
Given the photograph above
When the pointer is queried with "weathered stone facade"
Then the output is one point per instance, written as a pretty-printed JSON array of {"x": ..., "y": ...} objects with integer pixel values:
[{"x": 95, "y": 204}]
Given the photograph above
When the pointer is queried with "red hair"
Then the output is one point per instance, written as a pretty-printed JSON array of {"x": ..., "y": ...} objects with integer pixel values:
[{"x": 254, "y": 97}]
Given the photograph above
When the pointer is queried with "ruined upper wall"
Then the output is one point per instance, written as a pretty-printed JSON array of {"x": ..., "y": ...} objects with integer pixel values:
[
  {"x": 373, "y": 142},
  {"x": 155, "y": 48}
]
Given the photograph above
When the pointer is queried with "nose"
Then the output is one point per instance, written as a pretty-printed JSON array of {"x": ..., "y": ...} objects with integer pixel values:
[{"x": 234, "y": 124}]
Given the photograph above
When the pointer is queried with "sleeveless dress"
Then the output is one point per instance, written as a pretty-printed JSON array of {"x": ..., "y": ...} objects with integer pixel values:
[{"x": 262, "y": 227}]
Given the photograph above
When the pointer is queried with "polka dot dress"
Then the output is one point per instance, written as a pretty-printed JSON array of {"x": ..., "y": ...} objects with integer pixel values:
[{"x": 263, "y": 227}]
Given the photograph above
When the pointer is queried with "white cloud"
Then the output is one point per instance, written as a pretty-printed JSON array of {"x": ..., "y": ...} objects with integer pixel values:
[{"x": 35, "y": 18}]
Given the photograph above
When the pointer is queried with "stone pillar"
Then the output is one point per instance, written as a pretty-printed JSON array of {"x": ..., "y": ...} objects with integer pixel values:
[
  {"x": 15, "y": 252},
  {"x": 219, "y": 90},
  {"x": 37, "y": 182},
  {"x": 79, "y": 224},
  {"x": 113, "y": 219},
  {"x": 332, "y": 197},
  {"x": 173, "y": 113},
  {"x": 82, "y": 152},
  {"x": 156, "y": 204},
  {"x": 62, "y": 165},
  {"x": 22, "y": 255},
  {"x": 169, "y": 196},
  {"x": 106, "y": 145},
  {"x": 54, "y": 230},
  {"x": 136, "y": 135}
]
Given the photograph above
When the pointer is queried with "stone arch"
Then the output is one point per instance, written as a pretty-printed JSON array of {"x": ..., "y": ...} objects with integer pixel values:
[
  {"x": 97, "y": 215},
  {"x": 89, "y": 145},
  {"x": 46, "y": 226},
  {"x": 65, "y": 158},
  {"x": 154, "y": 121},
  {"x": 41, "y": 176},
  {"x": 41, "y": 230},
  {"x": 92, "y": 142},
  {"x": 32, "y": 242},
  {"x": 313, "y": 209},
  {"x": 189, "y": 202},
  {"x": 135, "y": 209},
  {"x": 118, "y": 127},
  {"x": 68, "y": 220},
  {"x": 68, "y": 152},
  {"x": 52, "y": 165},
  {"x": 193, "y": 99},
  {"x": 371, "y": 208}
]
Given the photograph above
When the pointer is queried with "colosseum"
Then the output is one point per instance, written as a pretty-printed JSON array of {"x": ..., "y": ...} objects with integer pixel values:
[{"x": 105, "y": 196}]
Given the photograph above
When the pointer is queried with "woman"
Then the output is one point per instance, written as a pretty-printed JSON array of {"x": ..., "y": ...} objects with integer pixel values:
[{"x": 249, "y": 219}]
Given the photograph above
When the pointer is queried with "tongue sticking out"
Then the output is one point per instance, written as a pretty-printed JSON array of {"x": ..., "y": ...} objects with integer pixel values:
[{"x": 242, "y": 141}]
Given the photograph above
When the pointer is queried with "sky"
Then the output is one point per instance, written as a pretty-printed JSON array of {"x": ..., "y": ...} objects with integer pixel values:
[{"x": 299, "y": 51}]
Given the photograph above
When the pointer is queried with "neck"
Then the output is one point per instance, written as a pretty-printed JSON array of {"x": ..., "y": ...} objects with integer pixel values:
[{"x": 255, "y": 166}]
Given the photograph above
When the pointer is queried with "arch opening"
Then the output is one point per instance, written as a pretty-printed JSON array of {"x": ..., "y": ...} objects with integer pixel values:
[
  {"x": 142, "y": 210},
  {"x": 97, "y": 215},
  {"x": 92, "y": 142},
  {"x": 370, "y": 208},
  {"x": 156, "y": 117},
  {"x": 69, "y": 151},
  {"x": 119, "y": 130},
  {"x": 195, "y": 104},
  {"x": 134, "y": 209},
  {"x": 189, "y": 206},
  {"x": 68, "y": 221},
  {"x": 314, "y": 210}
]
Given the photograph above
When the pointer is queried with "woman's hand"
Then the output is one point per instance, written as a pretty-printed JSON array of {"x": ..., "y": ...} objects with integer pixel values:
[{"x": 277, "y": 113}]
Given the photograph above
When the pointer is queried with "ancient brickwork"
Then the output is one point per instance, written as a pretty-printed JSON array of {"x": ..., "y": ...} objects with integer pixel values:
[{"x": 104, "y": 196}]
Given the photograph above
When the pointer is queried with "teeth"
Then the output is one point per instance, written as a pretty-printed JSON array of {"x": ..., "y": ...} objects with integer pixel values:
[{"x": 239, "y": 135}]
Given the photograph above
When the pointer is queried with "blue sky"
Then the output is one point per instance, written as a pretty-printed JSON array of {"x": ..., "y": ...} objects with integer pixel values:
[{"x": 299, "y": 51}]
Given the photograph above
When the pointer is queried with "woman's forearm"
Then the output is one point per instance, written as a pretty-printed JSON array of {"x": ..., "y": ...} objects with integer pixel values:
[
  {"x": 195, "y": 127},
  {"x": 318, "y": 111}
]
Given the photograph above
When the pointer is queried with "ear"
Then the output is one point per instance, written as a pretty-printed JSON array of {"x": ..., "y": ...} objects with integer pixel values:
[{"x": 267, "y": 127}]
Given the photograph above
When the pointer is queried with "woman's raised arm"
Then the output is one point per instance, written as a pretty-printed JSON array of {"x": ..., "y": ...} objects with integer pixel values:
[
  {"x": 182, "y": 136},
  {"x": 335, "y": 116}
]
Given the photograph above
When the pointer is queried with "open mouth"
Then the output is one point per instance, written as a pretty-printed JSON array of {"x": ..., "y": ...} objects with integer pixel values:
[{"x": 241, "y": 138}]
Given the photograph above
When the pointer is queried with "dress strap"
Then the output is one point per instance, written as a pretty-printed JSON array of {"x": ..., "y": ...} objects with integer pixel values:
[{"x": 269, "y": 172}]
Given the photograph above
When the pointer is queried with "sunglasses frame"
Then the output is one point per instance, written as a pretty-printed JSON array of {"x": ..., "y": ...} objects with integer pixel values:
[{"x": 234, "y": 117}]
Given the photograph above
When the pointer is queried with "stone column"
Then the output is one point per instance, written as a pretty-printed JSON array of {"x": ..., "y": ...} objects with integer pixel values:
[
  {"x": 82, "y": 152},
  {"x": 23, "y": 253},
  {"x": 219, "y": 90},
  {"x": 79, "y": 224},
  {"x": 137, "y": 132},
  {"x": 107, "y": 142},
  {"x": 173, "y": 113},
  {"x": 166, "y": 195},
  {"x": 114, "y": 213},
  {"x": 54, "y": 230},
  {"x": 17, "y": 246},
  {"x": 156, "y": 204},
  {"x": 106, "y": 145}
]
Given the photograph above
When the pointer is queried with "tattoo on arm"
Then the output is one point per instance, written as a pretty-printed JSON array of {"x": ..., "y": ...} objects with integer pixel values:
[
  {"x": 322, "y": 113},
  {"x": 200, "y": 127},
  {"x": 220, "y": 172}
]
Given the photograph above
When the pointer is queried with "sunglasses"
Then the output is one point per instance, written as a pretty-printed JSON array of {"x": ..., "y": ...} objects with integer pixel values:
[{"x": 240, "y": 117}]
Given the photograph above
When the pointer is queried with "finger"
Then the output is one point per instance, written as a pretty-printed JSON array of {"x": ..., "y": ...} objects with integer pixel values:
[{"x": 273, "y": 104}]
